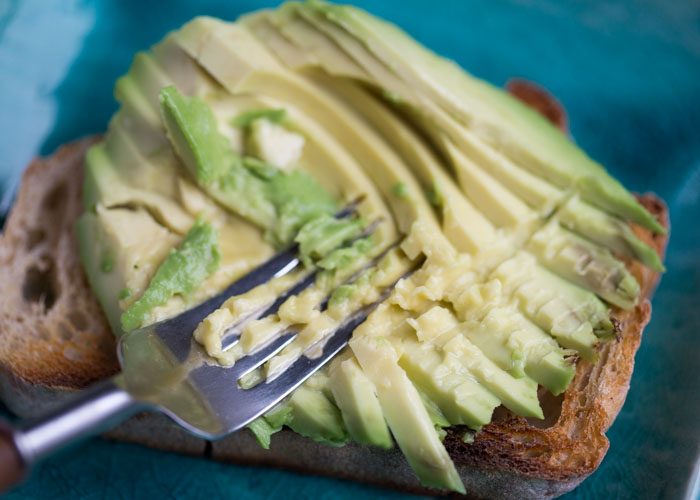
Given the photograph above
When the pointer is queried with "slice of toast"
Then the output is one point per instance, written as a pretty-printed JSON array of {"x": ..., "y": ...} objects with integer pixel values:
[{"x": 54, "y": 340}]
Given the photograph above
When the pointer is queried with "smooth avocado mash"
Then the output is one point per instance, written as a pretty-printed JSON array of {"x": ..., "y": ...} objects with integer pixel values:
[{"x": 494, "y": 246}]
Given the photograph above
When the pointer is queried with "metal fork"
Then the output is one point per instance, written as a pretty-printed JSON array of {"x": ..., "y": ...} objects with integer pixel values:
[{"x": 165, "y": 370}]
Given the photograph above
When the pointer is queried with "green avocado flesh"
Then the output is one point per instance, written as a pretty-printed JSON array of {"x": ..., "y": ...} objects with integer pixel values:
[
  {"x": 504, "y": 243},
  {"x": 284, "y": 204},
  {"x": 183, "y": 270}
]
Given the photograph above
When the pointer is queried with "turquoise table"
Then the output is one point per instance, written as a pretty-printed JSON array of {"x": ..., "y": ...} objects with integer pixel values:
[{"x": 627, "y": 71}]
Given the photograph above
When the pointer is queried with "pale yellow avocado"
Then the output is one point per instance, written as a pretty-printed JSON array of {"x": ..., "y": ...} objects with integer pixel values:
[{"x": 494, "y": 263}]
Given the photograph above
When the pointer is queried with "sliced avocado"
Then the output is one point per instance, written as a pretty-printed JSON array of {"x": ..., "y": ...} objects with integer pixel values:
[
  {"x": 179, "y": 67},
  {"x": 439, "y": 420},
  {"x": 403, "y": 408},
  {"x": 608, "y": 231},
  {"x": 148, "y": 76},
  {"x": 310, "y": 42},
  {"x": 533, "y": 190},
  {"x": 521, "y": 348},
  {"x": 516, "y": 394},
  {"x": 105, "y": 184},
  {"x": 197, "y": 257},
  {"x": 509, "y": 125},
  {"x": 130, "y": 95},
  {"x": 463, "y": 400},
  {"x": 378, "y": 161},
  {"x": 322, "y": 152},
  {"x": 465, "y": 227},
  {"x": 586, "y": 264},
  {"x": 500, "y": 205},
  {"x": 355, "y": 395},
  {"x": 572, "y": 315},
  {"x": 139, "y": 117},
  {"x": 159, "y": 172},
  {"x": 136, "y": 245},
  {"x": 314, "y": 415}
]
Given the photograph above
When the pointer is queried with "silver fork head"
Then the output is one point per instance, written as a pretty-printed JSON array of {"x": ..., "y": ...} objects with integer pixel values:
[
  {"x": 164, "y": 367},
  {"x": 205, "y": 397}
]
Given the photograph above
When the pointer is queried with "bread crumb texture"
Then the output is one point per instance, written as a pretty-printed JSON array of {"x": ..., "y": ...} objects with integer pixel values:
[{"x": 52, "y": 330}]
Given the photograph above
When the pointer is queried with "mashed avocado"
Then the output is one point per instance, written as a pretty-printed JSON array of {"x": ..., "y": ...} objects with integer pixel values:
[
  {"x": 183, "y": 270},
  {"x": 284, "y": 204},
  {"x": 498, "y": 241}
]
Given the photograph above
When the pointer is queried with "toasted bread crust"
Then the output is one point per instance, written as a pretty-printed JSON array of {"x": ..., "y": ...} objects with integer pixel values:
[
  {"x": 510, "y": 457},
  {"x": 53, "y": 331}
]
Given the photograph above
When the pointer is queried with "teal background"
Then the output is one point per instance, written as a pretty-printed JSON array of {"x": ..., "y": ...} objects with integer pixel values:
[{"x": 628, "y": 72}]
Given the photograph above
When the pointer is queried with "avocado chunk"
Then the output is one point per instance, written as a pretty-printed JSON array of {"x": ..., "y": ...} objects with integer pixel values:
[
  {"x": 197, "y": 257},
  {"x": 274, "y": 144},
  {"x": 193, "y": 132},
  {"x": 355, "y": 395},
  {"x": 314, "y": 415},
  {"x": 272, "y": 422}
]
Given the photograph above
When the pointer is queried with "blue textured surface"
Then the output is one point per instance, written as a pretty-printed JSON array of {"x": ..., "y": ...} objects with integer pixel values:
[{"x": 628, "y": 72}]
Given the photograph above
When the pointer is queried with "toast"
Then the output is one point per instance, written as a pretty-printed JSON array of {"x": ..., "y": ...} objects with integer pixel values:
[{"x": 54, "y": 340}]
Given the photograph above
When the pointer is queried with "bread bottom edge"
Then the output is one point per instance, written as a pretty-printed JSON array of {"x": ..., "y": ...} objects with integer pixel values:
[{"x": 290, "y": 451}]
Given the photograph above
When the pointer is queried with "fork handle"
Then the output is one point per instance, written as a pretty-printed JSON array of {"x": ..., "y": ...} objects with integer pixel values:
[
  {"x": 95, "y": 410},
  {"x": 12, "y": 469}
]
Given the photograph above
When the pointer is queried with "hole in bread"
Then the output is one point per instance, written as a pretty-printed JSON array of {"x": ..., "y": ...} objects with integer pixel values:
[
  {"x": 64, "y": 331},
  {"x": 500, "y": 414},
  {"x": 40, "y": 285},
  {"x": 534, "y": 452},
  {"x": 582, "y": 399},
  {"x": 42, "y": 333},
  {"x": 55, "y": 198},
  {"x": 78, "y": 320},
  {"x": 34, "y": 237},
  {"x": 551, "y": 407}
]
